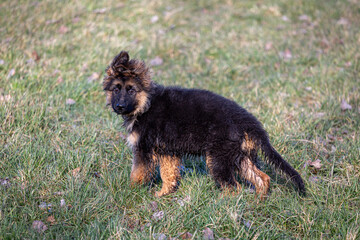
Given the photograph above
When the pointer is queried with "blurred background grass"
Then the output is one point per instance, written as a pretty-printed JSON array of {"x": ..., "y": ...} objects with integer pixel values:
[{"x": 294, "y": 65}]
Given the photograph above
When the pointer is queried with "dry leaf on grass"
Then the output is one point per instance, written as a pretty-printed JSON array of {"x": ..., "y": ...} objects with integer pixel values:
[
  {"x": 63, "y": 29},
  {"x": 62, "y": 203},
  {"x": 51, "y": 220},
  {"x": 154, "y": 19},
  {"x": 159, "y": 236},
  {"x": 343, "y": 21},
  {"x": 158, "y": 215},
  {"x": 316, "y": 164},
  {"x": 35, "y": 56},
  {"x": 59, "y": 80},
  {"x": 39, "y": 226},
  {"x": 286, "y": 55},
  {"x": 70, "y": 101},
  {"x": 93, "y": 77},
  {"x": 5, "y": 182},
  {"x": 208, "y": 234},
  {"x": 100, "y": 10},
  {"x": 157, "y": 61},
  {"x": 268, "y": 46},
  {"x": 11, "y": 73},
  {"x": 186, "y": 235},
  {"x": 345, "y": 106},
  {"x": 75, "y": 172},
  {"x": 305, "y": 18}
]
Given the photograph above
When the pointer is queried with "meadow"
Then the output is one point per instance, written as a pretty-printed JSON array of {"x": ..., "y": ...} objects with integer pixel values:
[{"x": 64, "y": 162}]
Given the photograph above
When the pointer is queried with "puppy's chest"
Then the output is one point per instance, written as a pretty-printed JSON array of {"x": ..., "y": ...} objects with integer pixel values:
[{"x": 133, "y": 139}]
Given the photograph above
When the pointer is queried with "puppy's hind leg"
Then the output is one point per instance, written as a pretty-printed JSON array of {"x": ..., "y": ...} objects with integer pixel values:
[
  {"x": 222, "y": 172},
  {"x": 259, "y": 179}
]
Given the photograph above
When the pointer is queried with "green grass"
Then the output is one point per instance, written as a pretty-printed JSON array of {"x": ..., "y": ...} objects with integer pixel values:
[{"x": 214, "y": 45}]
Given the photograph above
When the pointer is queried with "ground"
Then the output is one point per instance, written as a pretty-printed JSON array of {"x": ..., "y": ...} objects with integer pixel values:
[{"x": 64, "y": 163}]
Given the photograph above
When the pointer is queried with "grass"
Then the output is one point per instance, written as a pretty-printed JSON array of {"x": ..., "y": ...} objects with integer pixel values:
[{"x": 290, "y": 63}]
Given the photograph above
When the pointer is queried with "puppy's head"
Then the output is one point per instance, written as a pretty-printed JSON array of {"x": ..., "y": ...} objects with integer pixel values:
[{"x": 127, "y": 85}]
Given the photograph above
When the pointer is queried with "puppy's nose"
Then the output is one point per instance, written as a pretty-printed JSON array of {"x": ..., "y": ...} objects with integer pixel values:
[{"x": 120, "y": 105}]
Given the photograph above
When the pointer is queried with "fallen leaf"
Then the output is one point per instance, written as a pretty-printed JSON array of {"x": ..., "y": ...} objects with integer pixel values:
[
  {"x": 159, "y": 236},
  {"x": 84, "y": 67},
  {"x": 62, "y": 203},
  {"x": 39, "y": 226},
  {"x": 186, "y": 235},
  {"x": 51, "y": 220},
  {"x": 324, "y": 44},
  {"x": 52, "y": 21},
  {"x": 5, "y": 98},
  {"x": 59, "y": 193},
  {"x": 76, "y": 19},
  {"x": 154, "y": 19},
  {"x": 348, "y": 64},
  {"x": 286, "y": 55},
  {"x": 94, "y": 76},
  {"x": 157, "y": 61},
  {"x": 75, "y": 172},
  {"x": 268, "y": 46},
  {"x": 63, "y": 29},
  {"x": 208, "y": 234},
  {"x": 5, "y": 182},
  {"x": 70, "y": 101},
  {"x": 316, "y": 164},
  {"x": 304, "y": 18},
  {"x": 59, "y": 79},
  {"x": 35, "y": 56},
  {"x": 100, "y": 10},
  {"x": 11, "y": 73},
  {"x": 345, "y": 106},
  {"x": 158, "y": 215},
  {"x": 319, "y": 114},
  {"x": 43, "y": 205},
  {"x": 343, "y": 21},
  {"x": 285, "y": 18}
]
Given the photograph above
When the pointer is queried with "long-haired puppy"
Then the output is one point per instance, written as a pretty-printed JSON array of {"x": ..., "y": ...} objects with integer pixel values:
[{"x": 166, "y": 123}]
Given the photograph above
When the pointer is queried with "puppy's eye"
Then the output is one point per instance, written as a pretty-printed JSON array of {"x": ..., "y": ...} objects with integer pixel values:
[
  {"x": 116, "y": 90},
  {"x": 131, "y": 91}
]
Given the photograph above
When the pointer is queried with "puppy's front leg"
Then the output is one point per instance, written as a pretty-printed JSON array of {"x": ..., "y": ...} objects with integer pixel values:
[
  {"x": 141, "y": 169},
  {"x": 170, "y": 174}
]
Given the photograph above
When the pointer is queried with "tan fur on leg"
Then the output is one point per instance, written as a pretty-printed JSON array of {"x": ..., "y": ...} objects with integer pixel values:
[
  {"x": 259, "y": 179},
  {"x": 139, "y": 174},
  {"x": 140, "y": 171},
  {"x": 170, "y": 174}
]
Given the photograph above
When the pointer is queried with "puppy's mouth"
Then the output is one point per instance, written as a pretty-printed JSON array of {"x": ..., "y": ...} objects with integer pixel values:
[{"x": 126, "y": 110}]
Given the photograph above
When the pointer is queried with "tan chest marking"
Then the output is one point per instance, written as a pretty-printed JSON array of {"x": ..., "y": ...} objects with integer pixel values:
[{"x": 133, "y": 139}]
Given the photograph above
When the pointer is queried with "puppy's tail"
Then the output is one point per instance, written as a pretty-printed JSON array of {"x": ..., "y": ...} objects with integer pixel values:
[{"x": 274, "y": 158}]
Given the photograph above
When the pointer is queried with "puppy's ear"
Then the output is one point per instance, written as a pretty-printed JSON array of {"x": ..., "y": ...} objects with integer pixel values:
[
  {"x": 121, "y": 59},
  {"x": 118, "y": 64}
]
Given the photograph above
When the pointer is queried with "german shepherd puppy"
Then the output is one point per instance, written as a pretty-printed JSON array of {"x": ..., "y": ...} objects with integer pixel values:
[{"x": 166, "y": 123}]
